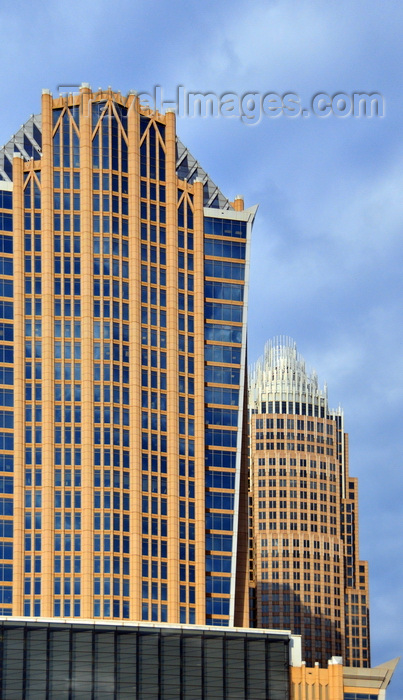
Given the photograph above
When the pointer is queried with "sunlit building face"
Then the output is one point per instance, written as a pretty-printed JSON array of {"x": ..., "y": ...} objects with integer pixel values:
[{"x": 123, "y": 296}]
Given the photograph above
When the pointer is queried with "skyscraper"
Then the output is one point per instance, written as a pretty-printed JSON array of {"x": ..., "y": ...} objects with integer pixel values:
[
  {"x": 307, "y": 572},
  {"x": 123, "y": 277}
]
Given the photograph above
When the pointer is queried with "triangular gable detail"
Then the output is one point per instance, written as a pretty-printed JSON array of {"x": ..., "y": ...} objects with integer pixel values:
[
  {"x": 25, "y": 142},
  {"x": 187, "y": 167}
]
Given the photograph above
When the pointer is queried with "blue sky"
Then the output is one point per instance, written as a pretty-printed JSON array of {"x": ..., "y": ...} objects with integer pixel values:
[{"x": 328, "y": 239}]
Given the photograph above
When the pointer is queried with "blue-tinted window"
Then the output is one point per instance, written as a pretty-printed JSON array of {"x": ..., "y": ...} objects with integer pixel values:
[
  {"x": 6, "y": 528},
  {"x": 219, "y": 501},
  {"x": 220, "y": 480},
  {"x": 221, "y": 416},
  {"x": 225, "y": 227},
  {"x": 6, "y": 506},
  {"x": 222, "y": 354},
  {"x": 6, "y": 330},
  {"x": 6, "y": 288},
  {"x": 217, "y": 606},
  {"x": 221, "y": 375},
  {"x": 224, "y": 290},
  {"x": 6, "y": 221},
  {"x": 220, "y": 395},
  {"x": 222, "y": 268},
  {"x": 6, "y": 596},
  {"x": 224, "y": 249},
  {"x": 6, "y": 375},
  {"x": 6, "y": 199},
  {"x": 6, "y": 353},
  {"x": 6, "y": 244},
  {"x": 6, "y": 441},
  {"x": 6, "y": 266},
  {"x": 219, "y": 543},
  {"x": 219, "y": 521},
  {"x": 217, "y": 563},
  {"x": 218, "y": 584},
  {"x": 224, "y": 312},
  {"x": 223, "y": 333},
  {"x": 6, "y": 550},
  {"x": 6, "y": 419},
  {"x": 224, "y": 438},
  {"x": 6, "y": 465}
]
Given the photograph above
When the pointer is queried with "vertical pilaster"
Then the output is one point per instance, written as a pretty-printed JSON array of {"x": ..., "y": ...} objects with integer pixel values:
[
  {"x": 238, "y": 203},
  {"x": 241, "y": 610},
  {"x": 87, "y": 372},
  {"x": 198, "y": 220},
  {"x": 47, "y": 359},
  {"x": 135, "y": 354},
  {"x": 336, "y": 685},
  {"x": 19, "y": 393},
  {"x": 172, "y": 373}
]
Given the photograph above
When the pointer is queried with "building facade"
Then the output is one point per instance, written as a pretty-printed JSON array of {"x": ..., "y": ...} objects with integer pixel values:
[
  {"x": 307, "y": 574},
  {"x": 57, "y": 659},
  {"x": 143, "y": 661},
  {"x": 338, "y": 682},
  {"x": 123, "y": 278}
]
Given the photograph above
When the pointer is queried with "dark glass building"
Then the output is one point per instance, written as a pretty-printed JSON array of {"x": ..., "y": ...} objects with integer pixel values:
[{"x": 108, "y": 661}]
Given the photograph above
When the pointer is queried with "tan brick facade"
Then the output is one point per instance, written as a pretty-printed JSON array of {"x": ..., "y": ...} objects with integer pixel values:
[
  {"x": 128, "y": 337},
  {"x": 306, "y": 569}
]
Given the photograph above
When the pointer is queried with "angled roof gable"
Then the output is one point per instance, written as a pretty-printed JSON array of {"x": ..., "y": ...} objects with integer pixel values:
[{"x": 27, "y": 141}]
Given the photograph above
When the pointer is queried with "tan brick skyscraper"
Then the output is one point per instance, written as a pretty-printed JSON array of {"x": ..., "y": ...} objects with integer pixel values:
[
  {"x": 306, "y": 568},
  {"x": 123, "y": 280}
]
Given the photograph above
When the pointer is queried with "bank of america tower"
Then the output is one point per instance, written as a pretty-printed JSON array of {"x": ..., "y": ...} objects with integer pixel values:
[{"x": 123, "y": 295}]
